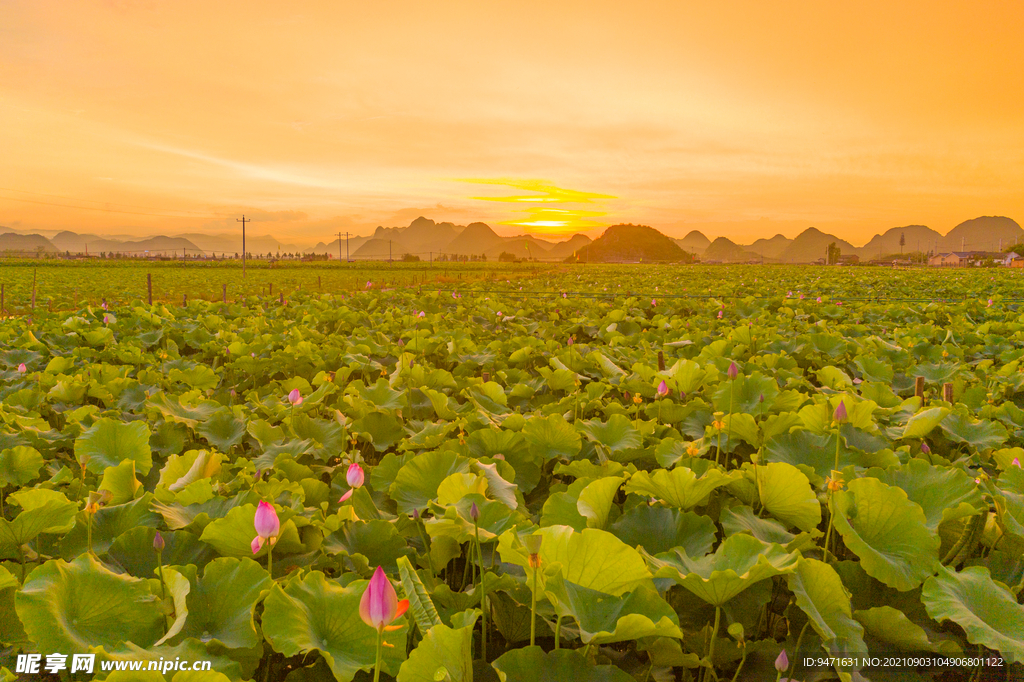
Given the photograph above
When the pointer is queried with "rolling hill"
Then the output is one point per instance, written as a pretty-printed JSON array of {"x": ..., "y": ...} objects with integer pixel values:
[
  {"x": 27, "y": 243},
  {"x": 810, "y": 245},
  {"x": 634, "y": 243},
  {"x": 770, "y": 248},
  {"x": 986, "y": 233},
  {"x": 727, "y": 251},
  {"x": 476, "y": 239},
  {"x": 694, "y": 242}
]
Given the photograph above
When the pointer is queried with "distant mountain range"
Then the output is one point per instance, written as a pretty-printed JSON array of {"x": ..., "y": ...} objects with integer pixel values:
[
  {"x": 427, "y": 239},
  {"x": 987, "y": 233}
]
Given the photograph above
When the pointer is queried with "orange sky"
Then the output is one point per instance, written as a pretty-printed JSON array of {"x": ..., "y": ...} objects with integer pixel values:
[{"x": 318, "y": 116}]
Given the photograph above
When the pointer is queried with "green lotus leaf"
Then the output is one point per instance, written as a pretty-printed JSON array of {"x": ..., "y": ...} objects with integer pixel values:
[
  {"x": 222, "y": 429},
  {"x": 812, "y": 453},
  {"x": 891, "y": 626},
  {"x": 660, "y": 529},
  {"x": 742, "y": 519},
  {"x": 678, "y": 487},
  {"x": 787, "y": 495},
  {"x": 232, "y": 535},
  {"x": 455, "y": 521},
  {"x": 69, "y": 607},
  {"x": 200, "y": 376},
  {"x": 944, "y": 493},
  {"x": 987, "y": 612},
  {"x": 133, "y": 550},
  {"x": 874, "y": 369},
  {"x": 199, "y": 676},
  {"x": 384, "y": 429},
  {"x": 19, "y": 465},
  {"x": 377, "y": 540},
  {"x": 421, "y": 608},
  {"x": 603, "y": 618},
  {"x": 887, "y": 532},
  {"x": 743, "y": 394},
  {"x": 171, "y": 408},
  {"x": 922, "y": 423},
  {"x": 417, "y": 481},
  {"x": 532, "y": 664},
  {"x": 107, "y": 442},
  {"x": 120, "y": 481},
  {"x": 442, "y": 649},
  {"x": 516, "y": 451},
  {"x": 317, "y": 614},
  {"x": 739, "y": 562},
  {"x": 107, "y": 524},
  {"x": 176, "y": 589},
  {"x": 616, "y": 435},
  {"x": 560, "y": 510},
  {"x": 590, "y": 558},
  {"x": 181, "y": 471},
  {"x": 460, "y": 485},
  {"x": 821, "y": 596},
  {"x": 497, "y": 486},
  {"x": 11, "y": 630},
  {"x": 551, "y": 437},
  {"x": 595, "y": 500},
  {"x": 221, "y": 604},
  {"x": 43, "y": 511},
  {"x": 981, "y": 435}
]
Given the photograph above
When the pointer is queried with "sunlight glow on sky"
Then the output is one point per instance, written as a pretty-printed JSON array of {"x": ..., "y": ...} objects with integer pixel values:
[{"x": 740, "y": 119}]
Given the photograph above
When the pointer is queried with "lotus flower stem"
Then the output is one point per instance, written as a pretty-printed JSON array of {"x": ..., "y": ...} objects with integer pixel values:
[
  {"x": 743, "y": 660},
  {"x": 533, "y": 608},
  {"x": 558, "y": 632},
  {"x": 88, "y": 531},
  {"x": 483, "y": 593},
  {"x": 380, "y": 647},
  {"x": 796, "y": 651}
]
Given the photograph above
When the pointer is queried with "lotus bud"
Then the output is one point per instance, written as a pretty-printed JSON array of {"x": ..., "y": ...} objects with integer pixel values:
[
  {"x": 416, "y": 514},
  {"x": 256, "y": 476},
  {"x": 734, "y": 371},
  {"x": 924, "y": 448},
  {"x": 369, "y": 284},
  {"x": 533, "y": 543},
  {"x": 158, "y": 542},
  {"x": 106, "y": 319},
  {"x": 1016, "y": 462},
  {"x": 840, "y": 413},
  {"x": 654, "y": 303},
  {"x": 719, "y": 314},
  {"x": 819, "y": 301},
  {"x": 760, "y": 398},
  {"x": 379, "y": 605},
  {"x": 355, "y": 478},
  {"x": 571, "y": 340},
  {"x": 474, "y": 512},
  {"x": 295, "y": 397},
  {"x": 267, "y": 526},
  {"x": 22, "y": 368},
  {"x": 782, "y": 662},
  {"x": 662, "y": 389}
]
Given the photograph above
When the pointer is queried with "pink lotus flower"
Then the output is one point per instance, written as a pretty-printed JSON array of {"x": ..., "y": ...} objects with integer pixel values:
[
  {"x": 782, "y": 662},
  {"x": 924, "y": 448},
  {"x": 989, "y": 303},
  {"x": 801, "y": 297},
  {"x": 840, "y": 414},
  {"x": 564, "y": 295},
  {"x": 267, "y": 526},
  {"x": 369, "y": 284},
  {"x": 379, "y": 605},
  {"x": 819, "y": 299},
  {"x": 654, "y": 303},
  {"x": 104, "y": 305},
  {"x": 106, "y": 319},
  {"x": 295, "y": 397},
  {"x": 22, "y": 368},
  {"x": 355, "y": 477},
  {"x": 734, "y": 371},
  {"x": 719, "y": 314},
  {"x": 662, "y": 389},
  {"x": 1016, "y": 462}
]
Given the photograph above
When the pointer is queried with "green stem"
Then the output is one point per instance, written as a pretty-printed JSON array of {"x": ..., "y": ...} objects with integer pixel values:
[
  {"x": 742, "y": 661},
  {"x": 270, "y": 560},
  {"x": 426, "y": 547},
  {"x": 163, "y": 590},
  {"x": 88, "y": 531},
  {"x": 711, "y": 647},
  {"x": 533, "y": 610},
  {"x": 380, "y": 647},
  {"x": 796, "y": 652},
  {"x": 728, "y": 426},
  {"x": 483, "y": 596},
  {"x": 21, "y": 554},
  {"x": 558, "y": 632}
]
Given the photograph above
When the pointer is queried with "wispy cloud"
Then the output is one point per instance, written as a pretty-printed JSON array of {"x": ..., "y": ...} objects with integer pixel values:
[{"x": 559, "y": 214}]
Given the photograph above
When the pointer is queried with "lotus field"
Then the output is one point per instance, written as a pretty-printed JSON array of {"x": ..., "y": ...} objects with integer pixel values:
[{"x": 597, "y": 474}]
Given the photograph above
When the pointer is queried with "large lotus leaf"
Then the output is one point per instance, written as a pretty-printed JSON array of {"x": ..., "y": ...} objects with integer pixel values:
[
  {"x": 660, "y": 529},
  {"x": 317, "y": 614},
  {"x": 416, "y": 483},
  {"x": 222, "y": 430},
  {"x": 944, "y": 493},
  {"x": 590, "y": 558},
  {"x": 69, "y": 607},
  {"x": 892, "y": 627},
  {"x": 532, "y": 664},
  {"x": 190, "y": 415},
  {"x": 814, "y": 454},
  {"x": 377, "y": 540},
  {"x": 19, "y": 465},
  {"x": 560, "y": 510},
  {"x": 11, "y": 630},
  {"x": 107, "y": 524},
  {"x": 458, "y": 486},
  {"x": 987, "y": 612},
  {"x": 107, "y": 442},
  {"x": 737, "y": 563},
  {"x": 742, "y": 519},
  {"x": 922, "y": 423},
  {"x": 551, "y": 437},
  {"x": 603, "y": 618},
  {"x": 456, "y": 521},
  {"x": 820, "y": 594},
  {"x": 981, "y": 435},
  {"x": 380, "y": 395},
  {"x": 232, "y": 535},
  {"x": 746, "y": 394},
  {"x": 43, "y": 511},
  {"x": 182, "y": 470},
  {"x": 595, "y": 500},
  {"x": 133, "y": 550},
  {"x": 442, "y": 649},
  {"x": 221, "y": 603},
  {"x": 384, "y": 429},
  {"x": 498, "y": 485},
  {"x": 616, "y": 435},
  {"x": 887, "y": 531},
  {"x": 678, "y": 487},
  {"x": 197, "y": 516},
  {"x": 120, "y": 482},
  {"x": 787, "y": 495}
]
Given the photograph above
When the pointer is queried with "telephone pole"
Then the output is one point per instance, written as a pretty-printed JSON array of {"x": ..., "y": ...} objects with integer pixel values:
[
  {"x": 243, "y": 221},
  {"x": 346, "y": 246}
]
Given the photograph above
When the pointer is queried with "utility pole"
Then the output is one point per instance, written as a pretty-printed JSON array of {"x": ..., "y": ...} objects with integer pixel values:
[
  {"x": 346, "y": 246},
  {"x": 243, "y": 221},
  {"x": 389, "y": 250}
]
